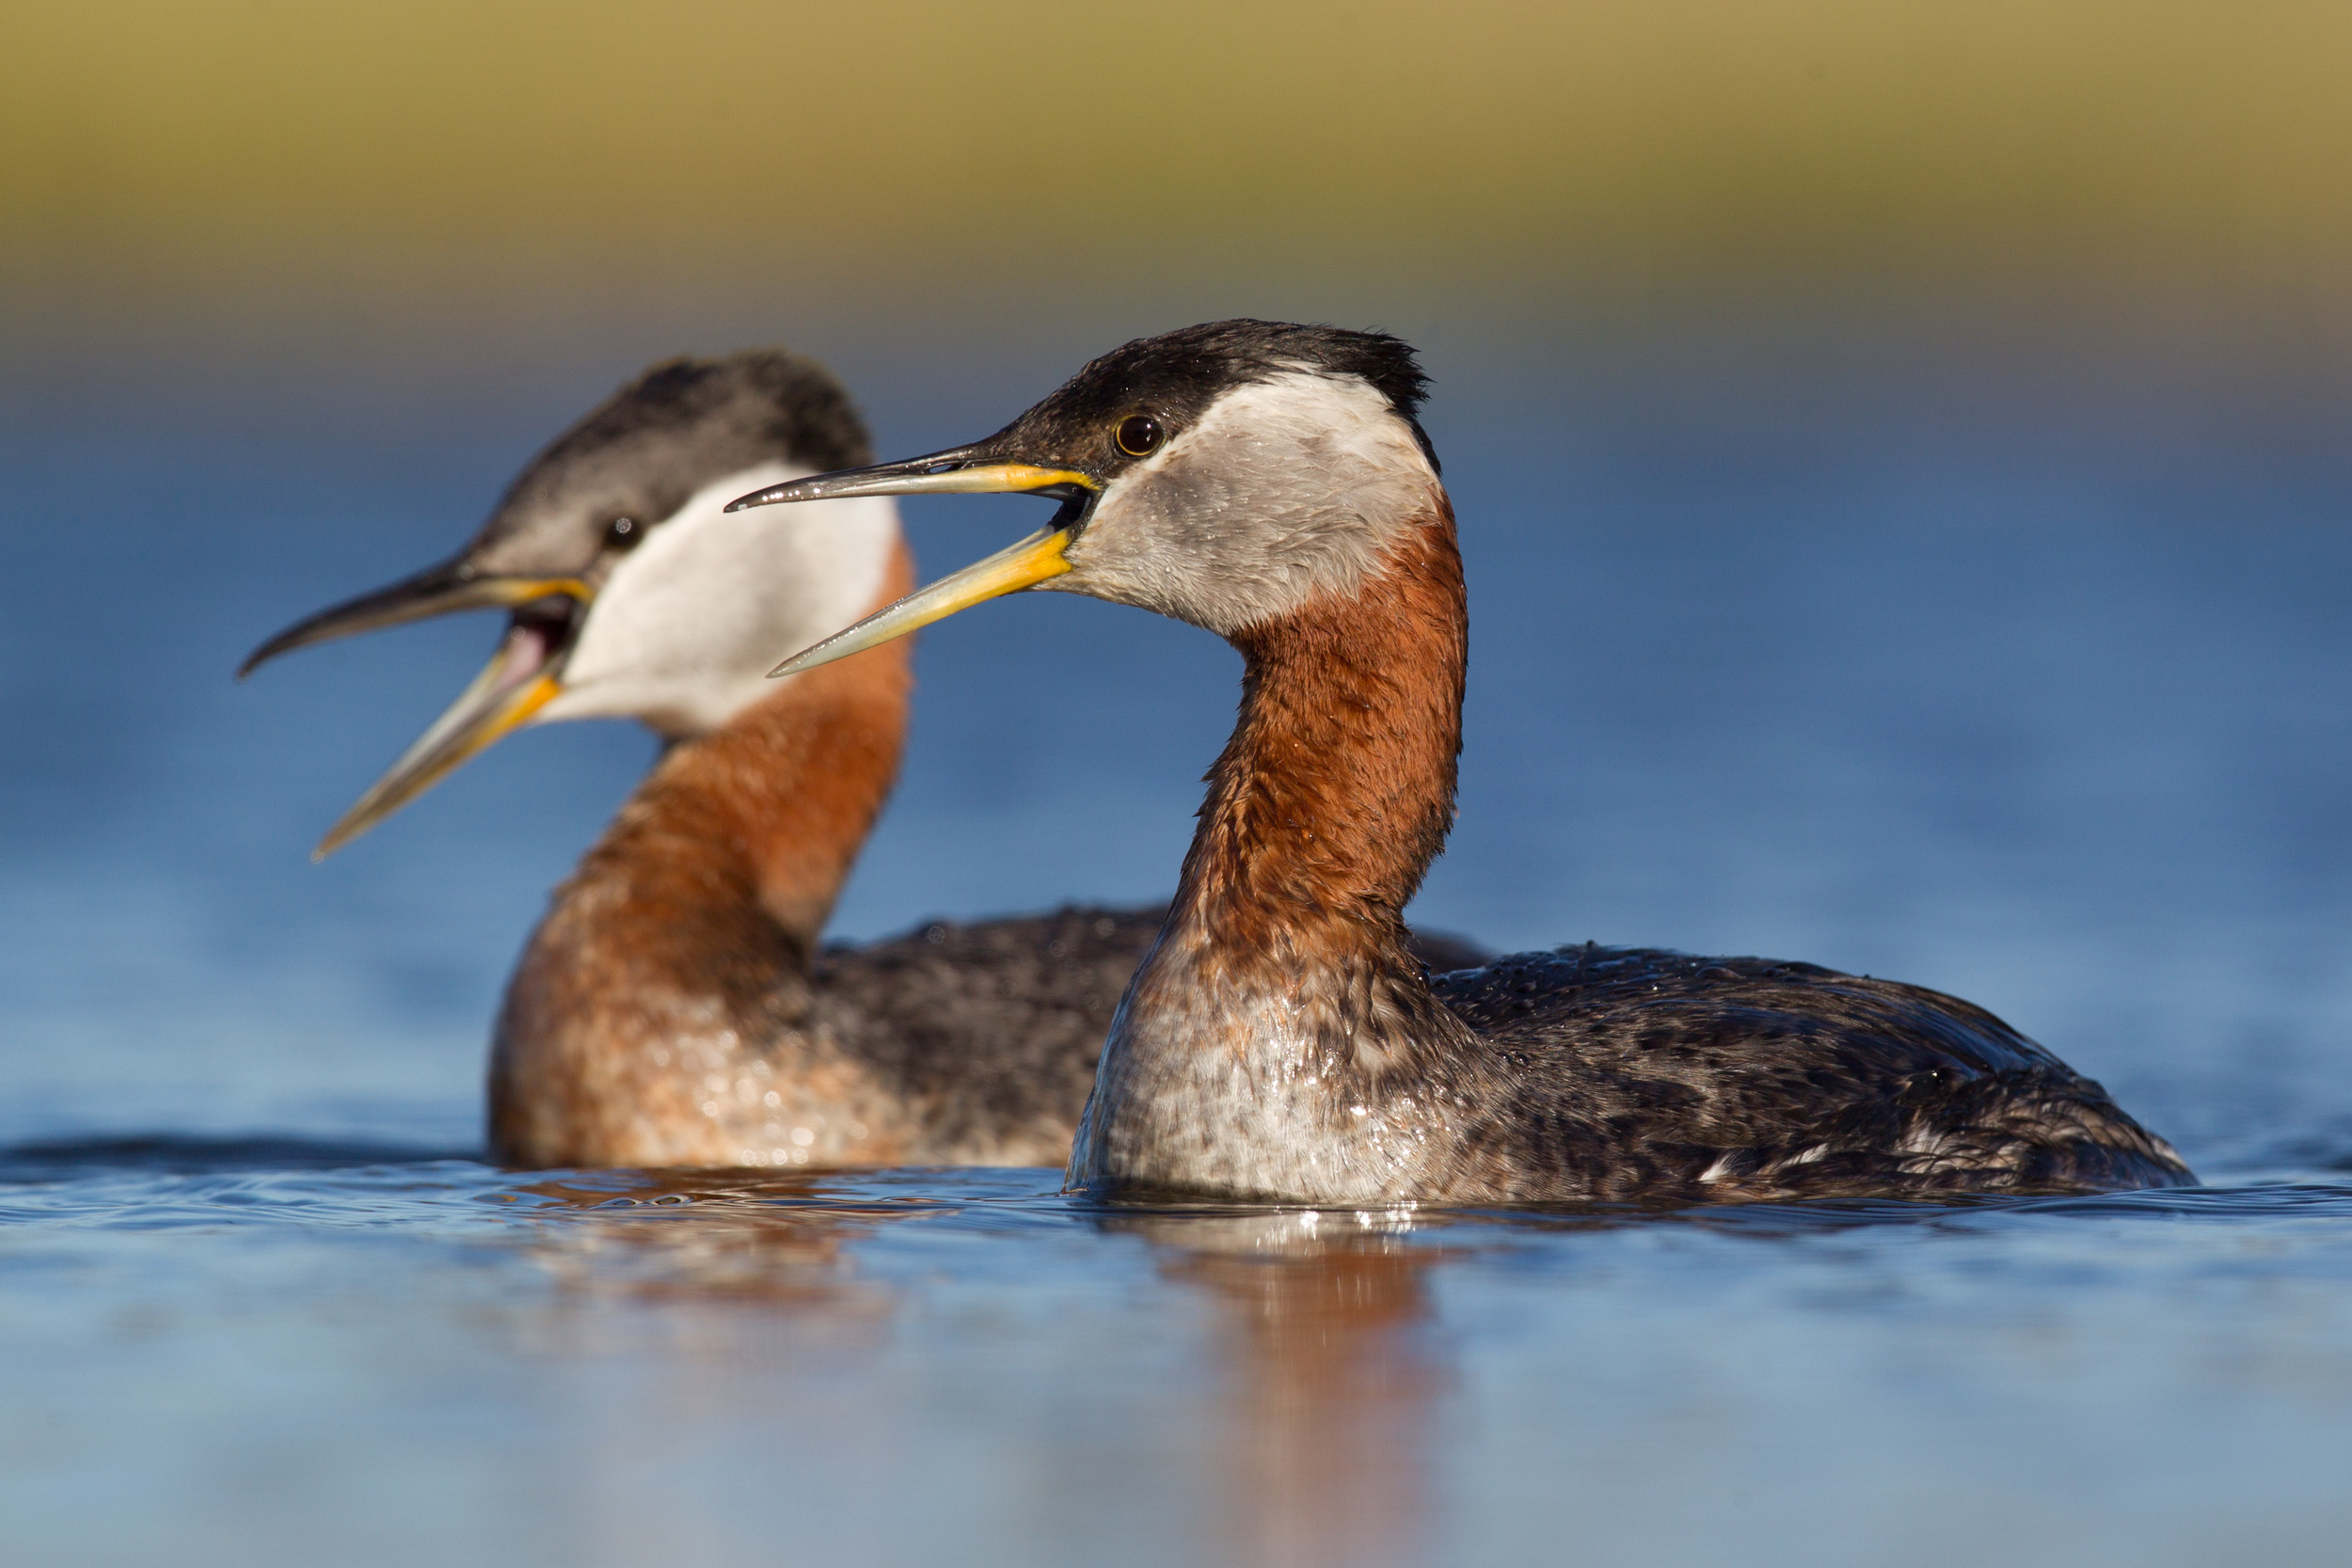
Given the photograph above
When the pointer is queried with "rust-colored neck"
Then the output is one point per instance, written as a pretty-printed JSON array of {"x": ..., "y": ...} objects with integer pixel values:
[
  {"x": 1280, "y": 1040},
  {"x": 765, "y": 816},
  {"x": 677, "y": 955},
  {"x": 1337, "y": 788}
]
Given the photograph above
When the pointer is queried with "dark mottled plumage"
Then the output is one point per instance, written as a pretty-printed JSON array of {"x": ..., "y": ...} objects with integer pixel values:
[
  {"x": 1641, "y": 1072},
  {"x": 989, "y": 1026}
]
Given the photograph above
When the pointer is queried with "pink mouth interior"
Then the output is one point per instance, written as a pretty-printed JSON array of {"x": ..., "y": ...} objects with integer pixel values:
[{"x": 523, "y": 655}]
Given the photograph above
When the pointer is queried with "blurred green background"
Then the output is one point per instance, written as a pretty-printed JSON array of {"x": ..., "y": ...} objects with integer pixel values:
[{"x": 2146, "y": 169}]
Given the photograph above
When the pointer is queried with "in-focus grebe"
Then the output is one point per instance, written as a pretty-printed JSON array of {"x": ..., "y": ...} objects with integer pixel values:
[
  {"x": 1272, "y": 484},
  {"x": 673, "y": 1007}
]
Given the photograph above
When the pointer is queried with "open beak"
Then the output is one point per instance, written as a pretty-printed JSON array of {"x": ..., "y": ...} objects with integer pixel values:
[
  {"x": 963, "y": 471},
  {"x": 442, "y": 590},
  {"x": 520, "y": 678}
]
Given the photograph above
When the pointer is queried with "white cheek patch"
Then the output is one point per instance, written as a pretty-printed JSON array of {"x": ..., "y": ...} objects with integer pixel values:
[
  {"x": 1287, "y": 488},
  {"x": 687, "y": 626}
]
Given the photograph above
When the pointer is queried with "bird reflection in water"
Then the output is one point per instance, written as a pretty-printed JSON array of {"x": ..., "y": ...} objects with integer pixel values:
[
  {"x": 1324, "y": 1339},
  {"x": 1319, "y": 1335},
  {"x": 709, "y": 1236}
]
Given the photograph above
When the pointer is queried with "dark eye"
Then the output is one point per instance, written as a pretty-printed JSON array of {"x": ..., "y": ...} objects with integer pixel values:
[
  {"x": 1138, "y": 436},
  {"x": 623, "y": 533}
]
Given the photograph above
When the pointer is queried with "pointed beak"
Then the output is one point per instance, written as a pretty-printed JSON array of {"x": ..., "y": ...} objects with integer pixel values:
[
  {"x": 442, "y": 590},
  {"x": 520, "y": 679},
  {"x": 963, "y": 471},
  {"x": 515, "y": 684}
]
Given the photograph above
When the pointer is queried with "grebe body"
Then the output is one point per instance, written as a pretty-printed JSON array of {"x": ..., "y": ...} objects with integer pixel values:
[{"x": 1272, "y": 484}]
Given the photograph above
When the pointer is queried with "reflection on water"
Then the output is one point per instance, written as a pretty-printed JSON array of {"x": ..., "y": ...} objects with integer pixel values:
[
  {"x": 760, "y": 1240},
  {"x": 422, "y": 1358},
  {"x": 1327, "y": 1379},
  {"x": 1316, "y": 1343}
]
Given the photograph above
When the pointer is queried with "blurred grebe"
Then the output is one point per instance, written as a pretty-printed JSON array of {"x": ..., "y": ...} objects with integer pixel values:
[
  {"x": 1272, "y": 484},
  {"x": 674, "y": 1007}
]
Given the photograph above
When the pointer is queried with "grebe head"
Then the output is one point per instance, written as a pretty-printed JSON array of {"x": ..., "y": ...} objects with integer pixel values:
[
  {"x": 1223, "y": 474},
  {"x": 630, "y": 590}
]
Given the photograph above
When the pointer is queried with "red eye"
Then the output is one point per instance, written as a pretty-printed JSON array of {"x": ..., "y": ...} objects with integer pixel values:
[{"x": 1138, "y": 436}]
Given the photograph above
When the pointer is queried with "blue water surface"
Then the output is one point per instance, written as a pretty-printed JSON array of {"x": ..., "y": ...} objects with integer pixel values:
[{"x": 2026, "y": 679}]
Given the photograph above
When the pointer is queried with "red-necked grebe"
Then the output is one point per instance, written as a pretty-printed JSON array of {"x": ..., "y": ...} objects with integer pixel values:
[{"x": 1272, "y": 484}]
